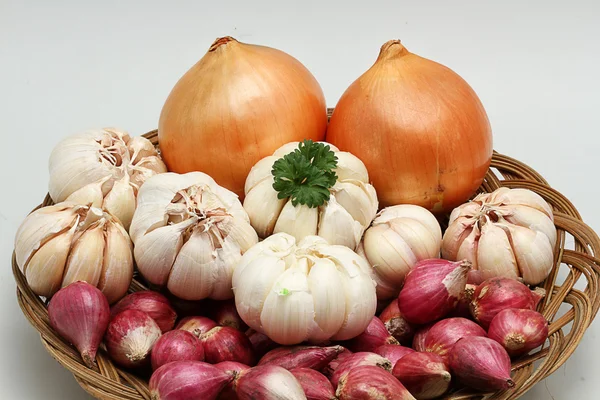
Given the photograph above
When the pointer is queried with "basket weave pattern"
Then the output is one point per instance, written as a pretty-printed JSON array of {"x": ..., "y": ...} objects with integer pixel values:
[{"x": 576, "y": 257}]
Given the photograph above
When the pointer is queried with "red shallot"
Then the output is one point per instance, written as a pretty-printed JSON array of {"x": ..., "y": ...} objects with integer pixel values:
[
  {"x": 425, "y": 375},
  {"x": 445, "y": 333},
  {"x": 228, "y": 393},
  {"x": 374, "y": 335},
  {"x": 177, "y": 345},
  {"x": 196, "y": 325},
  {"x": 313, "y": 357},
  {"x": 368, "y": 382},
  {"x": 223, "y": 343},
  {"x": 395, "y": 323},
  {"x": 315, "y": 385},
  {"x": 519, "y": 331},
  {"x": 418, "y": 342},
  {"x": 260, "y": 342},
  {"x": 225, "y": 314},
  {"x": 357, "y": 360},
  {"x": 393, "y": 352},
  {"x": 268, "y": 382},
  {"x": 152, "y": 303}
]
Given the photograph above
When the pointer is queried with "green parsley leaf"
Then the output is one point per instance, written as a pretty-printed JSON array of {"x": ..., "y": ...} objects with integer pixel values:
[{"x": 306, "y": 174}]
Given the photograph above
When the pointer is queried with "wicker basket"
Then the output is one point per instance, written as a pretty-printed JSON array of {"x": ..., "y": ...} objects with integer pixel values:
[{"x": 568, "y": 324}]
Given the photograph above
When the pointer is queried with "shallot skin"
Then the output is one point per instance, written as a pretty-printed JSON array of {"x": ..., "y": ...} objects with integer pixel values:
[
  {"x": 315, "y": 385},
  {"x": 368, "y": 382},
  {"x": 374, "y": 335},
  {"x": 177, "y": 345},
  {"x": 80, "y": 313},
  {"x": 224, "y": 343},
  {"x": 445, "y": 333},
  {"x": 359, "y": 360},
  {"x": 396, "y": 324},
  {"x": 228, "y": 393},
  {"x": 519, "y": 331},
  {"x": 393, "y": 352},
  {"x": 313, "y": 357},
  {"x": 268, "y": 382},
  {"x": 152, "y": 303},
  {"x": 183, "y": 380},
  {"x": 196, "y": 325},
  {"x": 425, "y": 375}
]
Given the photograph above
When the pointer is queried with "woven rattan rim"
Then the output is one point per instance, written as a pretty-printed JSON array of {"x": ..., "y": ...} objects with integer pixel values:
[{"x": 576, "y": 253}]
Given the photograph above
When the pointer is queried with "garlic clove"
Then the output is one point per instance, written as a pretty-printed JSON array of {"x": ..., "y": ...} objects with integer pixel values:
[
  {"x": 388, "y": 253},
  {"x": 523, "y": 197},
  {"x": 418, "y": 213},
  {"x": 384, "y": 289},
  {"x": 495, "y": 255},
  {"x": 139, "y": 148},
  {"x": 227, "y": 258},
  {"x": 531, "y": 218},
  {"x": 350, "y": 167},
  {"x": 469, "y": 210},
  {"x": 89, "y": 194},
  {"x": 337, "y": 226},
  {"x": 454, "y": 236},
  {"x": 40, "y": 226},
  {"x": 159, "y": 248},
  {"x": 299, "y": 221},
  {"x": 468, "y": 248},
  {"x": 263, "y": 207},
  {"x": 86, "y": 257},
  {"x": 117, "y": 266},
  {"x": 45, "y": 269},
  {"x": 120, "y": 201},
  {"x": 194, "y": 268},
  {"x": 259, "y": 172},
  {"x": 358, "y": 198},
  {"x": 329, "y": 301},
  {"x": 239, "y": 232},
  {"x": 289, "y": 297},
  {"x": 534, "y": 253},
  {"x": 280, "y": 247}
]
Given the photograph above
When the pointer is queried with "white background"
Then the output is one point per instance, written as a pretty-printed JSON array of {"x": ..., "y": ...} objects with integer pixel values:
[{"x": 70, "y": 65}]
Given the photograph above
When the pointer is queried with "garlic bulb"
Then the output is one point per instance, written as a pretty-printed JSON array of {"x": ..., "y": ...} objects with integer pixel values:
[
  {"x": 508, "y": 233},
  {"x": 341, "y": 219},
  {"x": 307, "y": 291},
  {"x": 104, "y": 168},
  {"x": 60, "y": 244},
  {"x": 399, "y": 237},
  {"x": 189, "y": 234}
]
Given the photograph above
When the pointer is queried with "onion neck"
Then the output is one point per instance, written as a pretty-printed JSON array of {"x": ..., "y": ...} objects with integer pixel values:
[
  {"x": 220, "y": 42},
  {"x": 392, "y": 49}
]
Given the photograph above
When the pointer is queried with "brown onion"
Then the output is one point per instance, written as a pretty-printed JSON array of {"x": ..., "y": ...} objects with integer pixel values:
[
  {"x": 152, "y": 303},
  {"x": 196, "y": 325},
  {"x": 418, "y": 342},
  {"x": 367, "y": 382},
  {"x": 225, "y": 314},
  {"x": 357, "y": 360},
  {"x": 130, "y": 337},
  {"x": 481, "y": 363},
  {"x": 395, "y": 323},
  {"x": 223, "y": 343},
  {"x": 80, "y": 314},
  {"x": 238, "y": 104},
  {"x": 497, "y": 294},
  {"x": 445, "y": 333},
  {"x": 425, "y": 375},
  {"x": 374, "y": 336},
  {"x": 188, "y": 380},
  {"x": 228, "y": 393},
  {"x": 419, "y": 128},
  {"x": 393, "y": 352},
  {"x": 519, "y": 331},
  {"x": 268, "y": 382},
  {"x": 432, "y": 289},
  {"x": 315, "y": 385},
  {"x": 313, "y": 357},
  {"x": 176, "y": 345}
]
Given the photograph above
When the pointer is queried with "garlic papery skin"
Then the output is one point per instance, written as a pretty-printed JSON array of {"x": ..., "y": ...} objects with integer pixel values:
[
  {"x": 189, "y": 234},
  {"x": 507, "y": 233},
  {"x": 104, "y": 168},
  {"x": 341, "y": 220},
  {"x": 399, "y": 237},
  {"x": 307, "y": 291},
  {"x": 63, "y": 243}
]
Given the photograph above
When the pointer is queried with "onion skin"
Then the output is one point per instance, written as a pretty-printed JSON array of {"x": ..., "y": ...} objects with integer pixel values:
[
  {"x": 481, "y": 363},
  {"x": 238, "y": 104},
  {"x": 224, "y": 343},
  {"x": 130, "y": 337},
  {"x": 432, "y": 289},
  {"x": 152, "y": 303},
  {"x": 80, "y": 314},
  {"x": 420, "y": 129},
  {"x": 519, "y": 331},
  {"x": 393, "y": 352},
  {"x": 357, "y": 360},
  {"x": 268, "y": 382},
  {"x": 315, "y": 385},
  {"x": 369, "y": 382},
  {"x": 497, "y": 294},
  {"x": 445, "y": 333},
  {"x": 312, "y": 357},
  {"x": 176, "y": 345},
  {"x": 188, "y": 380},
  {"x": 374, "y": 336},
  {"x": 196, "y": 325},
  {"x": 228, "y": 393},
  {"x": 425, "y": 375},
  {"x": 396, "y": 325}
]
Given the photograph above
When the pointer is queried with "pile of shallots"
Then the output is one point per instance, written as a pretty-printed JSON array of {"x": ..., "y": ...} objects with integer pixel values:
[{"x": 460, "y": 335}]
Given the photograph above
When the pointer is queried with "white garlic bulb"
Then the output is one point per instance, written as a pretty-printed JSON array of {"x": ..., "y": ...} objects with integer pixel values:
[
  {"x": 307, "y": 291},
  {"x": 60, "y": 244},
  {"x": 342, "y": 219},
  {"x": 189, "y": 233},
  {"x": 508, "y": 233},
  {"x": 399, "y": 237},
  {"x": 104, "y": 168}
]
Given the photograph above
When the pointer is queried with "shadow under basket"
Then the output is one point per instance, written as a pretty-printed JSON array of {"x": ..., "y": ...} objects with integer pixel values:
[{"x": 569, "y": 310}]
